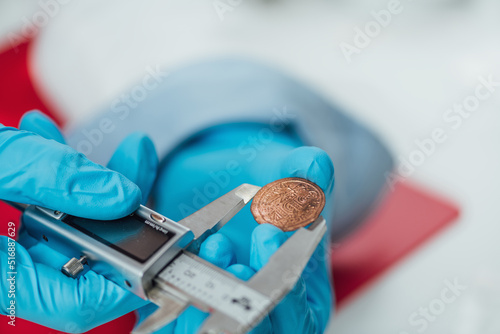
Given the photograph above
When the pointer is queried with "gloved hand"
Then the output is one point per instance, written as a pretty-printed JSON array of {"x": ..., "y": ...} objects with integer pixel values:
[
  {"x": 216, "y": 162},
  {"x": 45, "y": 172}
]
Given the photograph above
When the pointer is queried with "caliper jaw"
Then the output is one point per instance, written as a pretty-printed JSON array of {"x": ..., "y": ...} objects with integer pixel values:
[
  {"x": 262, "y": 292},
  {"x": 275, "y": 280},
  {"x": 215, "y": 215}
]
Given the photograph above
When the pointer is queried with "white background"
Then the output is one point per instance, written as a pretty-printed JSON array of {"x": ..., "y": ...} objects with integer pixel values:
[{"x": 428, "y": 58}]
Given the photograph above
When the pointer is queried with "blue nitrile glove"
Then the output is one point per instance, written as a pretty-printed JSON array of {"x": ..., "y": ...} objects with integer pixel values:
[
  {"x": 216, "y": 162},
  {"x": 37, "y": 170}
]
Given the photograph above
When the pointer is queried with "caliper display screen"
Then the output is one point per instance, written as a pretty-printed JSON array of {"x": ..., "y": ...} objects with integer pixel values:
[{"x": 132, "y": 235}]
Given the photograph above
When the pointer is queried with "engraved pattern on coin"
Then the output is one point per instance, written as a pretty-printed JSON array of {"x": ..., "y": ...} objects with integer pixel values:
[{"x": 288, "y": 203}]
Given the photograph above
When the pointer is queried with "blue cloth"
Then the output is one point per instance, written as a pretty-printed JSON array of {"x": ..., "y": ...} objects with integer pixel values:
[{"x": 172, "y": 109}]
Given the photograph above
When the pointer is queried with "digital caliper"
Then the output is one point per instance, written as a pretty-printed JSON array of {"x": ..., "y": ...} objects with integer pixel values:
[{"x": 154, "y": 257}]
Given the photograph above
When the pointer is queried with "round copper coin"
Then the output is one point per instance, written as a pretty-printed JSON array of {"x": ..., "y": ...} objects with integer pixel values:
[{"x": 289, "y": 203}]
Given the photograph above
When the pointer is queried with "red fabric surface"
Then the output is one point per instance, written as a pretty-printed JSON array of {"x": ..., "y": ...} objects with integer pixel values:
[
  {"x": 407, "y": 217},
  {"x": 16, "y": 91}
]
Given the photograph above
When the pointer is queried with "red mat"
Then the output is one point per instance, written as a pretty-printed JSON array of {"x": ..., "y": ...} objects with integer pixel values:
[{"x": 406, "y": 218}]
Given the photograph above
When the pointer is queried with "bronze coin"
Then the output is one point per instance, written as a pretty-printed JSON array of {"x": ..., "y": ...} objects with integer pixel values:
[{"x": 289, "y": 203}]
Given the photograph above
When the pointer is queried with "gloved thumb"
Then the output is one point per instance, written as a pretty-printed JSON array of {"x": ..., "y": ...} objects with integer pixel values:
[
  {"x": 46, "y": 173},
  {"x": 136, "y": 159},
  {"x": 40, "y": 124},
  {"x": 310, "y": 163}
]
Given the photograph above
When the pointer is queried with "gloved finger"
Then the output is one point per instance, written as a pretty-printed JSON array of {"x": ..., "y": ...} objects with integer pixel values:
[
  {"x": 42, "y": 125},
  {"x": 136, "y": 158},
  {"x": 245, "y": 273},
  {"x": 37, "y": 122},
  {"x": 266, "y": 239},
  {"x": 51, "y": 299},
  {"x": 310, "y": 163},
  {"x": 46, "y": 173},
  {"x": 218, "y": 250},
  {"x": 241, "y": 271}
]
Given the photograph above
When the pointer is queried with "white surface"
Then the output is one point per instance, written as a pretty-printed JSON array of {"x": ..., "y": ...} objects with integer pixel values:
[
  {"x": 426, "y": 60},
  {"x": 13, "y": 17}
]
